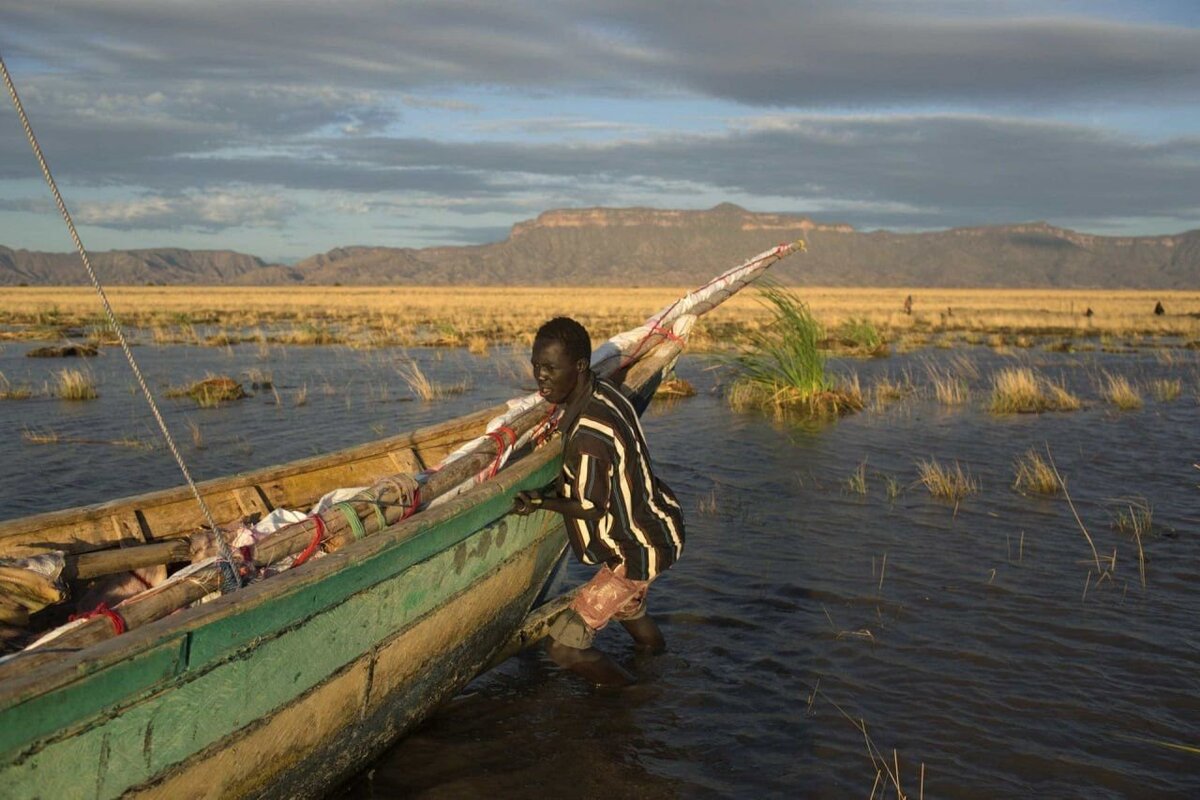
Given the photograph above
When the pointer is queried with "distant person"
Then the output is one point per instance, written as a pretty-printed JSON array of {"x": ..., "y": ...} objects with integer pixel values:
[
  {"x": 1158, "y": 309},
  {"x": 1089, "y": 313},
  {"x": 618, "y": 513},
  {"x": 908, "y": 305}
]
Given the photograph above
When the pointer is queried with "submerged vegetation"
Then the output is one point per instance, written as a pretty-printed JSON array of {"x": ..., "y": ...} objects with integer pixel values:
[
  {"x": 782, "y": 370},
  {"x": 74, "y": 384},
  {"x": 211, "y": 392},
  {"x": 1021, "y": 390},
  {"x": 1032, "y": 475}
]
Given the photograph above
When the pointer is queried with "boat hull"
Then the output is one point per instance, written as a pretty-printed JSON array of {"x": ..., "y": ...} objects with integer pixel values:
[{"x": 288, "y": 695}]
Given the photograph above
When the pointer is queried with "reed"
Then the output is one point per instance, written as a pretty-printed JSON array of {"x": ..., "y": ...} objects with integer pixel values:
[
  {"x": 74, "y": 384},
  {"x": 857, "y": 482},
  {"x": 1166, "y": 389},
  {"x": 477, "y": 345},
  {"x": 197, "y": 434},
  {"x": 949, "y": 387},
  {"x": 1021, "y": 390},
  {"x": 1032, "y": 475},
  {"x": 424, "y": 388},
  {"x": 1117, "y": 390},
  {"x": 861, "y": 334},
  {"x": 301, "y": 398},
  {"x": 889, "y": 390},
  {"x": 10, "y": 392},
  {"x": 946, "y": 483},
  {"x": 1137, "y": 520},
  {"x": 782, "y": 369}
]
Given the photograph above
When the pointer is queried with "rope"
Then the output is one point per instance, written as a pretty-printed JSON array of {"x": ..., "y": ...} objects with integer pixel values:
[
  {"x": 504, "y": 437},
  {"x": 318, "y": 535},
  {"x": 102, "y": 610},
  {"x": 408, "y": 492},
  {"x": 356, "y": 525},
  {"x": 229, "y": 576}
]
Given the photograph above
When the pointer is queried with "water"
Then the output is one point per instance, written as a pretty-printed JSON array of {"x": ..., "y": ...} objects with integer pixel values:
[{"x": 801, "y": 612}]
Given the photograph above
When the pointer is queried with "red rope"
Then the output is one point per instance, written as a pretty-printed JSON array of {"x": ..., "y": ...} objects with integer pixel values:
[
  {"x": 102, "y": 610},
  {"x": 416, "y": 501},
  {"x": 318, "y": 534},
  {"x": 504, "y": 437}
]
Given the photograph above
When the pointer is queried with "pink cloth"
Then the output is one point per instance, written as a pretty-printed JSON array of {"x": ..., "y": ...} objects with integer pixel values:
[{"x": 610, "y": 595}]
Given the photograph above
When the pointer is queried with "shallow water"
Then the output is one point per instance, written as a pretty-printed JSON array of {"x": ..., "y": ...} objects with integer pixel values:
[{"x": 962, "y": 639}]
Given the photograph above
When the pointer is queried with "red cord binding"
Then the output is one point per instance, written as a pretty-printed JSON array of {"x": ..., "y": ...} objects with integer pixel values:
[
  {"x": 102, "y": 610},
  {"x": 318, "y": 535}
]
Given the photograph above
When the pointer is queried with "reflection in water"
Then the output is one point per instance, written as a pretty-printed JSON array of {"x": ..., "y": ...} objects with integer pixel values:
[{"x": 962, "y": 640}]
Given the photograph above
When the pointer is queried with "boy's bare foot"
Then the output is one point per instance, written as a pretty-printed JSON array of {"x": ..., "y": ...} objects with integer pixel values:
[{"x": 590, "y": 664}]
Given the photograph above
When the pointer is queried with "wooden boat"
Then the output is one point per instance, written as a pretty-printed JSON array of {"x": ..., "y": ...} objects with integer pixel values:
[{"x": 289, "y": 685}]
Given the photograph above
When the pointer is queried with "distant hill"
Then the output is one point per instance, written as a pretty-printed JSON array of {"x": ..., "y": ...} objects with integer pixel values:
[{"x": 644, "y": 246}]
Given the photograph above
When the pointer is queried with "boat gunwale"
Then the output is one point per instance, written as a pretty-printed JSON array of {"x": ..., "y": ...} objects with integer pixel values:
[{"x": 59, "y": 517}]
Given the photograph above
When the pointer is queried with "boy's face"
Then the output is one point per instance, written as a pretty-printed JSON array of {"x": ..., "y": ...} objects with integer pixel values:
[{"x": 556, "y": 374}]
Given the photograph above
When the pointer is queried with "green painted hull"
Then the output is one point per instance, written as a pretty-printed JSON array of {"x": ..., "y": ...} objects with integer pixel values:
[{"x": 325, "y": 666}]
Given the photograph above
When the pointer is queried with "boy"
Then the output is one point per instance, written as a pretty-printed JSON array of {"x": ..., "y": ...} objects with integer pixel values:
[{"x": 618, "y": 514}]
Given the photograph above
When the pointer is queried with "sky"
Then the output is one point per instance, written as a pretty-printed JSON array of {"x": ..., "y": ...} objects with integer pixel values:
[{"x": 286, "y": 128}]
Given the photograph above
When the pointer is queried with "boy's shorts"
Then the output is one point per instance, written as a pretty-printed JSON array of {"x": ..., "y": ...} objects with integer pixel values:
[{"x": 608, "y": 595}]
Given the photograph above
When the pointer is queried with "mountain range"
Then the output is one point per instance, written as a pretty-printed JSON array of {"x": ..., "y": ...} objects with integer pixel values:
[{"x": 645, "y": 246}]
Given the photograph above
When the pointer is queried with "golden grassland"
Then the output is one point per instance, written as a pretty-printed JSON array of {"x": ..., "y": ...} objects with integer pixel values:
[{"x": 476, "y": 316}]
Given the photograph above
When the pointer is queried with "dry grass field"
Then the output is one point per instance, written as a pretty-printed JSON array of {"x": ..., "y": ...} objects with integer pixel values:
[{"x": 474, "y": 316}]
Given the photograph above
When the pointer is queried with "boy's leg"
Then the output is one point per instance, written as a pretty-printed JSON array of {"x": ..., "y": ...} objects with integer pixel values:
[{"x": 647, "y": 636}]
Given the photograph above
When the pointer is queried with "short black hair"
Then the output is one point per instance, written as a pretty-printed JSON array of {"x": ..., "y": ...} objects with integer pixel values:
[{"x": 570, "y": 334}]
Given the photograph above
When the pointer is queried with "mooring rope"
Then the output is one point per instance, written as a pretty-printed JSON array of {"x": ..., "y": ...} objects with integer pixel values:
[{"x": 229, "y": 576}]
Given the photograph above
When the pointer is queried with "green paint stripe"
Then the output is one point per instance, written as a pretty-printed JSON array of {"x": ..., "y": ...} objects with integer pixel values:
[
  {"x": 104, "y": 690},
  {"x": 194, "y": 713}
]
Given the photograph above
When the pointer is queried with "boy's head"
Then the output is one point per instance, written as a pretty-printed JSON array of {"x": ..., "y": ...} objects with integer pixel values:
[
  {"x": 570, "y": 334},
  {"x": 562, "y": 351}
]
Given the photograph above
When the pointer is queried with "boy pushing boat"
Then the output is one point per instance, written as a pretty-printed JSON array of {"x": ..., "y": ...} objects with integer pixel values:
[{"x": 618, "y": 513}]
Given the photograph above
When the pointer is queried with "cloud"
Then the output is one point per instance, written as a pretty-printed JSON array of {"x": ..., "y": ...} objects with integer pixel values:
[
  {"x": 767, "y": 52},
  {"x": 208, "y": 211}
]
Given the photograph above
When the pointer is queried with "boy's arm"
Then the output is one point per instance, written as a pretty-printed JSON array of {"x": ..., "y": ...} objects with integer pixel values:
[{"x": 590, "y": 489}]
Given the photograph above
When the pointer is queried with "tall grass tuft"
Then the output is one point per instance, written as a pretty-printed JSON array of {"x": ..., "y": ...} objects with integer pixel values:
[
  {"x": 861, "y": 333},
  {"x": 1120, "y": 392},
  {"x": 1166, "y": 389},
  {"x": 945, "y": 482},
  {"x": 74, "y": 384},
  {"x": 782, "y": 370},
  {"x": 1021, "y": 390},
  {"x": 10, "y": 392},
  {"x": 1032, "y": 475},
  {"x": 857, "y": 482},
  {"x": 424, "y": 388}
]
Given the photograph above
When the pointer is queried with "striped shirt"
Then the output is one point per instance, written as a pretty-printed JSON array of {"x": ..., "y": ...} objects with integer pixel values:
[{"x": 606, "y": 465}]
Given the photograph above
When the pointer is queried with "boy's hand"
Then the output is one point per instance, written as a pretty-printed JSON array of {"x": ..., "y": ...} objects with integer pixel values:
[{"x": 527, "y": 502}]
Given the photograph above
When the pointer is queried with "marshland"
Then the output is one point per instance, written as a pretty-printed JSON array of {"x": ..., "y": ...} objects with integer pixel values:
[{"x": 977, "y": 581}]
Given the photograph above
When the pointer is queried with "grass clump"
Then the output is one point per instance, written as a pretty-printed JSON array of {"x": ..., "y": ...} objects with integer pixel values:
[
  {"x": 1166, "y": 389},
  {"x": 424, "y": 388},
  {"x": 10, "y": 392},
  {"x": 1032, "y": 475},
  {"x": 947, "y": 483},
  {"x": 74, "y": 384},
  {"x": 212, "y": 391},
  {"x": 861, "y": 334},
  {"x": 782, "y": 369},
  {"x": 857, "y": 482},
  {"x": 1021, "y": 390},
  {"x": 1120, "y": 392}
]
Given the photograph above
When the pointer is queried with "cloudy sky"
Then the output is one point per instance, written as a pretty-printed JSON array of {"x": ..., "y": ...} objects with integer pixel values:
[{"x": 284, "y": 128}]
